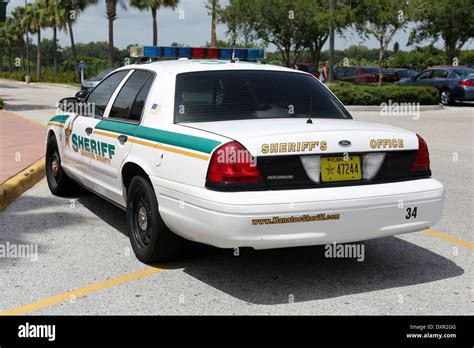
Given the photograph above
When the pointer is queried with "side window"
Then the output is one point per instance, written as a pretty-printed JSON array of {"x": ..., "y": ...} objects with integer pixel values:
[
  {"x": 339, "y": 72},
  {"x": 100, "y": 96},
  {"x": 424, "y": 75},
  {"x": 130, "y": 92},
  {"x": 351, "y": 72},
  {"x": 139, "y": 103},
  {"x": 440, "y": 74}
]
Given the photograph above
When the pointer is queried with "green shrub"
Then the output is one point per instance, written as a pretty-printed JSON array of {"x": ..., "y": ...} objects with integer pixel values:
[
  {"x": 352, "y": 94},
  {"x": 1, "y": 103},
  {"x": 47, "y": 76}
]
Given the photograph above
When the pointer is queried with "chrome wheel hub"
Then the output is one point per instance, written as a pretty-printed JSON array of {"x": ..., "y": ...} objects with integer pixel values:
[{"x": 142, "y": 218}]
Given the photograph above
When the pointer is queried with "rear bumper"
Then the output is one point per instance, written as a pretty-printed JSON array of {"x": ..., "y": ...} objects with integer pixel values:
[
  {"x": 287, "y": 218},
  {"x": 464, "y": 94}
]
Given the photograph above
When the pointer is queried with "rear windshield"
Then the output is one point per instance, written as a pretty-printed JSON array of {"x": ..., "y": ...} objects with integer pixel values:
[
  {"x": 241, "y": 95},
  {"x": 463, "y": 72},
  {"x": 405, "y": 72}
]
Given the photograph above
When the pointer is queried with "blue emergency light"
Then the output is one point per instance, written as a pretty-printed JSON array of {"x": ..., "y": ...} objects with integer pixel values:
[{"x": 162, "y": 52}]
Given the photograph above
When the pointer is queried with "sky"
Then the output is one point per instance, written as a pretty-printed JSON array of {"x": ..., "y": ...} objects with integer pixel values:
[{"x": 135, "y": 27}]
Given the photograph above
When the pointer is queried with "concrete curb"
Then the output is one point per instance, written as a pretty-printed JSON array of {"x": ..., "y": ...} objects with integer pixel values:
[
  {"x": 53, "y": 84},
  {"x": 17, "y": 185},
  {"x": 379, "y": 108}
]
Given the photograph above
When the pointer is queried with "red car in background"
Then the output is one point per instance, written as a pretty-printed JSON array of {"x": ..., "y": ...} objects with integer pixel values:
[
  {"x": 364, "y": 74},
  {"x": 309, "y": 68}
]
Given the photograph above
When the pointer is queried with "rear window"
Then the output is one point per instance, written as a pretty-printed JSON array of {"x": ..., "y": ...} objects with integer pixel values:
[
  {"x": 240, "y": 95},
  {"x": 463, "y": 72},
  {"x": 405, "y": 73}
]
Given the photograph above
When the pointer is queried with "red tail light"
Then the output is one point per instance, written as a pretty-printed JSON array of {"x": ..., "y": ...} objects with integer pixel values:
[
  {"x": 466, "y": 83},
  {"x": 231, "y": 164},
  {"x": 422, "y": 161}
]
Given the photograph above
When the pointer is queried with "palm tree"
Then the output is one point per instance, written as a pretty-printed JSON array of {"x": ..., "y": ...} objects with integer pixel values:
[
  {"x": 71, "y": 9},
  {"x": 154, "y": 6},
  {"x": 8, "y": 40},
  {"x": 19, "y": 28},
  {"x": 111, "y": 14},
  {"x": 35, "y": 17},
  {"x": 55, "y": 19},
  {"x": 213, "y": 8}
]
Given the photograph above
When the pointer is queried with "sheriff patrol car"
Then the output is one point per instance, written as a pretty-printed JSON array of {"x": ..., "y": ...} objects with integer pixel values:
[{"x": 230, "y": 152}]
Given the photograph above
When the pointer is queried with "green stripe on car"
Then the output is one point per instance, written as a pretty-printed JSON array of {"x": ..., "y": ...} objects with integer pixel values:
[
  {"x": 161, "y": 136},
  {"x": 59, "y": 118}
]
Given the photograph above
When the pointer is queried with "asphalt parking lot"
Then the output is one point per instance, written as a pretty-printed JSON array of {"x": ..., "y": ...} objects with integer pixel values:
[{"x": 85, "y": 265}]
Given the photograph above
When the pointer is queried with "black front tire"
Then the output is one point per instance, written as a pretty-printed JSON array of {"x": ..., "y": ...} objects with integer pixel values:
[
  {"x": 151, "y": 239},
  {"x": 58, "y": 181}
]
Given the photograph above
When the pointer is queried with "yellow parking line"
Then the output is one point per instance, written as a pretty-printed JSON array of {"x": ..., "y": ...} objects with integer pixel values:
[
  {"x": 67, "y": 296},
  {"x": 450, "y": 239}
]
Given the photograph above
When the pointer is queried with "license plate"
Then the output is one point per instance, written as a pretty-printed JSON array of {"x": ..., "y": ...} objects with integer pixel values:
[{"x": 340, "y": 168}]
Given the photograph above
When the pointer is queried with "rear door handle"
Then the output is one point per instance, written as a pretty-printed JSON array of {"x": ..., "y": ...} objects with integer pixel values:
[
  {"x": 89, "y": 130},
  {"x": 122, "y": 139}
]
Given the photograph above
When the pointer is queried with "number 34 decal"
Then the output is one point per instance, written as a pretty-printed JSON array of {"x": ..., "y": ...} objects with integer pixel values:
[{"x": 411, "y": 213}]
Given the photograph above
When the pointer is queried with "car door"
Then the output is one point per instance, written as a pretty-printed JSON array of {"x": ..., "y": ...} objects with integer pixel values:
[
  {"x": 80, "y": 149},
  {"x": 122, "y": 118},
  {"x": 423, "y": 78},
  {"x": 439, "y": 78},
  {"x": 350, "y": 75},
  {"x": 339, "y": 73},
  {"x": 76, "y": 159}
]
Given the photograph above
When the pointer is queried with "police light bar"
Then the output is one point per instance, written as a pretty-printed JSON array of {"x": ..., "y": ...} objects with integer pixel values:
[{"x": 163, "y": 52}]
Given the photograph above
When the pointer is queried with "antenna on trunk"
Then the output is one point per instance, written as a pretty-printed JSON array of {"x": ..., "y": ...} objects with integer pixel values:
[{"x": 309, "y": 120}]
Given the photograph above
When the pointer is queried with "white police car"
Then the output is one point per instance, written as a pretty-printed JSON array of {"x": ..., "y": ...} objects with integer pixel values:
[{"x": 235, "y": 153}]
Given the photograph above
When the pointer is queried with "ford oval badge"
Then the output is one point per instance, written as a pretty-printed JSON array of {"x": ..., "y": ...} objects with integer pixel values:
[{"x": 345, "y": 143}]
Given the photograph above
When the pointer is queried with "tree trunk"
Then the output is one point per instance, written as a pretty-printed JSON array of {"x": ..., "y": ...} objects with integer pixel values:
[
  {"x": 214, "y": 24},
  {"x": 155, "y": 26},
  {"x": 73, "y": 50},
  {"x": 38, "y": 57},
  {"x": 111, "y": 42},
  {"x": 381, "y": 55},
  {"x": 23, "y": 58},
  {"x": 450, "y": 52},
  {"x": 10, "y": 60},
  {"x": 1, "y": 61},
  {"x": 55, "y": 49}
]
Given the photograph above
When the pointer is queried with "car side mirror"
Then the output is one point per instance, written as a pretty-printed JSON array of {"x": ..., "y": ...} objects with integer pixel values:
[
  {"x": 68, "y": 104},
  {"x": 82, "y": 94}
]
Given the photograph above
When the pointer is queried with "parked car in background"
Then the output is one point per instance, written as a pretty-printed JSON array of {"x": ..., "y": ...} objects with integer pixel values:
[
  {"x": 364, "y": 74},
  {"x": 404, "y": 73},
  {"x": 453, "y": 83},
  {"x": 309, "y": 68},
  {"x": 447, "y": 66},
  {"x": 90, "y": 84}
]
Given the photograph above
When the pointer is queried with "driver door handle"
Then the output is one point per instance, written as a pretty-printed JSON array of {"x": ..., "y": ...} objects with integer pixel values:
[
  {"x": 89, "y": 130},
  {"x": 122, "y": 139}
]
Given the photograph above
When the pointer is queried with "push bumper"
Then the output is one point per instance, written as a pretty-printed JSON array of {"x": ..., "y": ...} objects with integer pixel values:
[{"x": 288, "y": 218}]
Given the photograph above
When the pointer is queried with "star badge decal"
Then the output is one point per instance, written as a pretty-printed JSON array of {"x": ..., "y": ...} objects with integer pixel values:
[
  {"x": 330, "y": 170},
  {"x": 68, "y": 132}
]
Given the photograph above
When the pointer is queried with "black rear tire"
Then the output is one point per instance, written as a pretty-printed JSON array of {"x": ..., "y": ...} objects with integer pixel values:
[
  {"x": 58, "y": 181},
  {"x": 446, "y": 97},
  {"x": 151, "y": 239}
]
